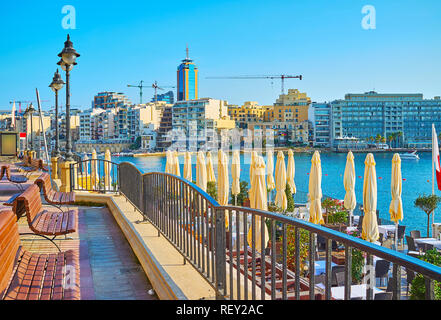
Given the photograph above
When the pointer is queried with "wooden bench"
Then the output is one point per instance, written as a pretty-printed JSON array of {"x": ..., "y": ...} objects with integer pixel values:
[
  {"x": 27, "y": 275},
  {"x": 32, "y": 166},
  {"x": 44, "y": 222},
  {"x": 53, "y": 197},
  {"x": 16, "y": 179}
]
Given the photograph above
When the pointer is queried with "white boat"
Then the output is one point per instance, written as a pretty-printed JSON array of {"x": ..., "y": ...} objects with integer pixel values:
[{"x": 409, "y": 156}]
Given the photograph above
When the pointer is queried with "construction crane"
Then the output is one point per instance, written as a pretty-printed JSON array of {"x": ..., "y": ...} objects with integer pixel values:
[
  {"x": 140, "y": 87},
  {"x": 280, "y": 76},
  {"x": 24, "y": 102},
  {"x": 156, "y": 87}
]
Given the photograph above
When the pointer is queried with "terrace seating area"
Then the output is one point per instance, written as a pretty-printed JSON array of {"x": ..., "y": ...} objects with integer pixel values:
[{"x": 39, "y": 262}]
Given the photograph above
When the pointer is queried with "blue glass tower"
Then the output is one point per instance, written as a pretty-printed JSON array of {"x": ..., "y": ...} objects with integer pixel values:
[{"x": 187, "y": 80}]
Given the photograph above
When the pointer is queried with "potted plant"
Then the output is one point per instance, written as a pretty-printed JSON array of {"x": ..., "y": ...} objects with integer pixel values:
[
  {"x": 428, "y": 204},
  {"x": 358, "y": 261}
]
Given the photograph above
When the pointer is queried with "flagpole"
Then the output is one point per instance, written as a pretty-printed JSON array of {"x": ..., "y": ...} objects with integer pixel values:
[{"x": 433, "y": 168}]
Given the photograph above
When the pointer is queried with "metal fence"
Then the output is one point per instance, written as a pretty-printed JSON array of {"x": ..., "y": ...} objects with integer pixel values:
[
  {"x": 222, "y": 243},
  {"x": 94, "y": 175}
]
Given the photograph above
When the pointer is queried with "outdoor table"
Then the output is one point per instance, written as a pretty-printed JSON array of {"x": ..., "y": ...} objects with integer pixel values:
[
  {"x": 385, "y": 229},
  {"x": 320, "y": 267},
  {"x": 435, "y": 242},
  {"x": 357, "y": 291}
]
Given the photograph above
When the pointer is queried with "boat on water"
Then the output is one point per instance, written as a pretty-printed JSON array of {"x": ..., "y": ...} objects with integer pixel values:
[{"x": 409, "y": 156}]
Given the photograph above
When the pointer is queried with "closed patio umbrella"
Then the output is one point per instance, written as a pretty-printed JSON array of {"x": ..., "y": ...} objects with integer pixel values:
[
  {"x": 349, "y": 183},
  {"x": 201, "y": 171},
  {"x": 94, "y": 170},
  {"x": 281, "y": 200},
  {"x": 235, "y": 175},
  {"x": 187, "y": 167},
  {"x": 169, "y": 161},
  {"x": 210, "y": 169},
  {"x": 260, "y": 202},
  {"x": 271, "y": 185},
  {"x": 315, "y": 190},
  {"x": 396, "y": 205},
  {"x": 107, "y": 168},
  {"x": 290, "y": 172},
  {"x": 223, "y": 183},
  {"x": 370, "y": 226},
  {"x": 176, "y": 170},
  {"x": 252, "y": 169}
]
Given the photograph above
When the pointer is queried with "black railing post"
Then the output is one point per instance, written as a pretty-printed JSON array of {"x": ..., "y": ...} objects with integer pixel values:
[
  {"x": 220, "y": 252},
  {"x": 429, "y": 288},
  {"x": 396, "y": 278}
]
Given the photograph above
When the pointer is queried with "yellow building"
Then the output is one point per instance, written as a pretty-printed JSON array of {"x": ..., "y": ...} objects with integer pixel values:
[{"x": 249, "y": 112}]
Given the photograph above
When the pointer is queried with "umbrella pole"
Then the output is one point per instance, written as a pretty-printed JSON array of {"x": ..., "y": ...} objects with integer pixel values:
[
  {"x": 396, "y": 236},
  {"x": 350, "y": 217},
  {"x": 235, "y": 200}
]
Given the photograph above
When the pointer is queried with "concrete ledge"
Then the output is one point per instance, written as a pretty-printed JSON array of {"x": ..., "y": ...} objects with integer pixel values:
[{"x": 162, "y": 263}]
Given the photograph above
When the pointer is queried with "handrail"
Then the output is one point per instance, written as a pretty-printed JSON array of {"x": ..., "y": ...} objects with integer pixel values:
[{"x": 194, "y": 223}]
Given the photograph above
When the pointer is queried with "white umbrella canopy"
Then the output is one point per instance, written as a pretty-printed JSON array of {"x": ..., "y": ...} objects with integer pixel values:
[
  {"x": 315, "y": 190},
  {"x": 260, "y": 202},
  {"x": 210, "y": 169},
  {"x": 396, "y": 205},
  {"x": 223, "y": 183},
  {"x": 290, "y": 171},
  {"x": 349, "y": 183},
  {"x": 370, "y": 226},
  {"x": 187, "y": 167},
  {"x": 235, "y": 173},
  {"x": 281, "y": 201},
  {"x": 201, "y": 171}
]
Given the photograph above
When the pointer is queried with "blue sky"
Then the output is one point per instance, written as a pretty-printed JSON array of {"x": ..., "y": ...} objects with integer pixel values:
[{"x": 123, "y": 42}]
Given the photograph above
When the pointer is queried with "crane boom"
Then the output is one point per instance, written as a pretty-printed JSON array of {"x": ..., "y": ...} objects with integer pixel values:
[{"x": 282, "y": 77}]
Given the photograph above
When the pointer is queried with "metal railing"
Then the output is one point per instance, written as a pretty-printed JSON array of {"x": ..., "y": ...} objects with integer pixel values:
[
  {"x": 227, "y": 255},
  {"x": 94, "y": 175}
]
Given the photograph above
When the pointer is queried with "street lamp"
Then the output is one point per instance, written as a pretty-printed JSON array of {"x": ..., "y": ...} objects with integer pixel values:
[
  {"x": 57, "y": 84},
  {"x": 29, "y": 111},
  {"x": 68, "y": 56}
]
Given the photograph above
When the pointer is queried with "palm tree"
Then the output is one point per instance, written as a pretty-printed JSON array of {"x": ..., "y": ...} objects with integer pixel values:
[{"x": 399, "y": 135}]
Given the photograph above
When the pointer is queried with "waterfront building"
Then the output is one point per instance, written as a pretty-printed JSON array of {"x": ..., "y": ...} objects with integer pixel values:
[
  {"x": 187, "y": 84},
  {"x": 200, "y": 120},
  {"x": 167, "y": 97},
  {"x": 165, "y": 125},
  {"x": 148, "y": 138},
  {"x": 320, "y": 116},
  {"x": 286, "y": 132},
  {"x": 407, "y": 118},
  {"x": 109, "y": 100}
]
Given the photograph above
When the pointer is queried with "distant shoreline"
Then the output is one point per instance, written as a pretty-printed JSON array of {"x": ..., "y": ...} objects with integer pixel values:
[{"x": 301, "y": 150}]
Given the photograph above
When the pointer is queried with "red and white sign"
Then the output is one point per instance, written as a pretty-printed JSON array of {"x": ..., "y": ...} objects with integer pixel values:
[{"x": 22, "y": 135}]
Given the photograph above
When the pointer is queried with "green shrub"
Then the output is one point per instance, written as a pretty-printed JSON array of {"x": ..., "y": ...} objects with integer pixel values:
[
  {"x": 290, "y": 203},
  {"x": 418, "y": 287}
]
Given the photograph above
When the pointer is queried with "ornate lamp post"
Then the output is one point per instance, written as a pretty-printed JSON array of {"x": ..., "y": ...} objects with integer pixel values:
[
  {"x": 29, "y": 111},
  {"x": 57, "y": 84},
  {"x": 68, "y": 56}
]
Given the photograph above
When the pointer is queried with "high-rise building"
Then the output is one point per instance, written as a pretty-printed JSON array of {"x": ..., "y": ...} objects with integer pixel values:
[
  {"x": 400, "y": 119},
  {"x": 109, "y": 100},
  {"x": 187, "y": 80},
  {"x": 167, "y": 97}
]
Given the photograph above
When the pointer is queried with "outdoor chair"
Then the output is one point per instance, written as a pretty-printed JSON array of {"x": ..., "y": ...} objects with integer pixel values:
[
  {"x": 401, "y": 233},
  {"x": 320, "y": 279},
  {"x": 383, "y": 296},
  {"x": 43, "y": 222},
  {"x": 390, "y": 285},
  {"x": 382, "y": 269},
  {"x": 411, "y": 247},
  {"x": 416, "y": 234},
  {"x": 340, "y": 276},
  {"x": 53, "y": 197},
  {"x": 17, "y": 267},
  {"x": 410, "y": 275},
  {"x": 16, "y": 179},
  {"x": 425, "y": 246},
  {"x": 360, "y": 223},
  {"x": 334, "y": 271}
]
